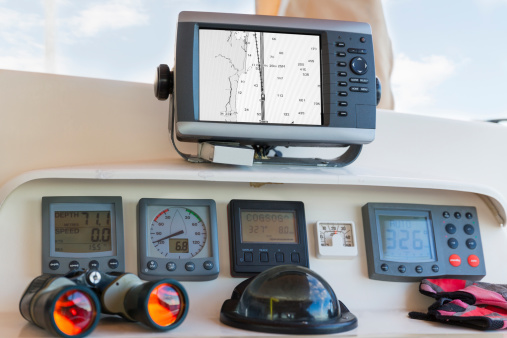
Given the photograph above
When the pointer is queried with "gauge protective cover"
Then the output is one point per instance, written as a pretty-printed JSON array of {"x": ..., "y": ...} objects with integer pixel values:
[{"x": 287, "y": 299}]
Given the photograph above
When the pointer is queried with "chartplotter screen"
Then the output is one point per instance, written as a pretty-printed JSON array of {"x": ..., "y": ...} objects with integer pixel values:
[{"x": 259, "y": 77}]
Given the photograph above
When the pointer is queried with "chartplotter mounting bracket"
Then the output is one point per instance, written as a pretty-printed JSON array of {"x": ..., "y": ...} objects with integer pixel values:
[{"x": 244, "y": 84}]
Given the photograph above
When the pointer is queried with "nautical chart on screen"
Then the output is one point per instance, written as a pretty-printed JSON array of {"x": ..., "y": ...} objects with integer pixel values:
[{"x": 259, "y": 77}]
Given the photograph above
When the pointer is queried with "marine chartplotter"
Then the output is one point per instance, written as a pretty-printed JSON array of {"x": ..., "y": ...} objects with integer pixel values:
[{"x": 250, "y": 82}]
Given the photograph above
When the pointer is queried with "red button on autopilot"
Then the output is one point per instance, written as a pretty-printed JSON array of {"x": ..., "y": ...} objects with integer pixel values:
[
  {"x": 455, "y": 260},
  {"x": 473, "y": 261}
]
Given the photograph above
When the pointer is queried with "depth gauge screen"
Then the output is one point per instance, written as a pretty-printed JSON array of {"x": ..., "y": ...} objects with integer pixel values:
[
  {"x": 268, "y": 226},
  {"x": 82, "y": 231},
  {"x": 259, "y": 77}
]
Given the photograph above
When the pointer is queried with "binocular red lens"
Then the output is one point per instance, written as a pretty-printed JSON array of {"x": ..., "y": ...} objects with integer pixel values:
[
  {"x": 70, "y": 307},
  {"x": 74, "y": 312},
  {"x": 165, "y": 305},
  {"x": 161, "y": 305}
]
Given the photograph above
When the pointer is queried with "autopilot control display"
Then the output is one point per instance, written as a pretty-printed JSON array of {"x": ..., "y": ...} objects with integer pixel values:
[
  {"x": 409, "y": 242},
  {"x": 406, "y": 237},
  {"x": 259, "y": 77},
  {"x": 82, "y": 232}
]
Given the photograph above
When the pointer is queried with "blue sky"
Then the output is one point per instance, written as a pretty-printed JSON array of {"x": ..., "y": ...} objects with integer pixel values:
[{"x": 450, "y": 56}]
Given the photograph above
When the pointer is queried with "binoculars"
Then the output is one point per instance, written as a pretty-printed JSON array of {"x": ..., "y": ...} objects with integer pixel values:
[{"x": 70, "y": 305}]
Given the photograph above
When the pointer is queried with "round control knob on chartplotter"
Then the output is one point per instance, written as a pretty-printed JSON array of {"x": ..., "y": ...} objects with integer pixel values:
[
  {"x": 358, "y": 65},
  {"x": 378, "y": 87},
  {"x": 164, "y": 82}
]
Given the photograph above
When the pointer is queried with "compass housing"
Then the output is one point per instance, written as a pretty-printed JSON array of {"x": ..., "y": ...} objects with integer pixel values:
[{"x": 287, "y": 299}]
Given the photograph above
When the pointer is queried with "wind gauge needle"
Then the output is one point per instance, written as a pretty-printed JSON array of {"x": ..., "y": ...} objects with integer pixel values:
[{"x": 171, "y": 235}]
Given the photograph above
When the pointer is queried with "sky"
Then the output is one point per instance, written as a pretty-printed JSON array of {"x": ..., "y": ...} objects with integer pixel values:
[{"x": 449, "y": 56}]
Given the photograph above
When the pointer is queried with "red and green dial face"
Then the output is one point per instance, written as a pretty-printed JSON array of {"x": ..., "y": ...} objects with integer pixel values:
[{"x": 178, "y": 232}]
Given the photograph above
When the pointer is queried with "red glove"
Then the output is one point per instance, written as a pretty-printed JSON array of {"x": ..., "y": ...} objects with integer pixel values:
[{"x": 477, "y": 305}]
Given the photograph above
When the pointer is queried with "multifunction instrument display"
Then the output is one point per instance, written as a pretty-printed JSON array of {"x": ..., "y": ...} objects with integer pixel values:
[
  {"x": 82, "y": 232},
  {"x": 266, "y": 233}
]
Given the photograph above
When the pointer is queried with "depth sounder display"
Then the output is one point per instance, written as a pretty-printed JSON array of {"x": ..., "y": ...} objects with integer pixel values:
[
  {"x": 82, "y": 231},
  {"x": 259, "y": 77}
]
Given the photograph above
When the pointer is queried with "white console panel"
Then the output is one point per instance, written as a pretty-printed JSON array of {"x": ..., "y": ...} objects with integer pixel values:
[
  {"x": 381, "y": 307},
  {"x": 64, "y": 150}
]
